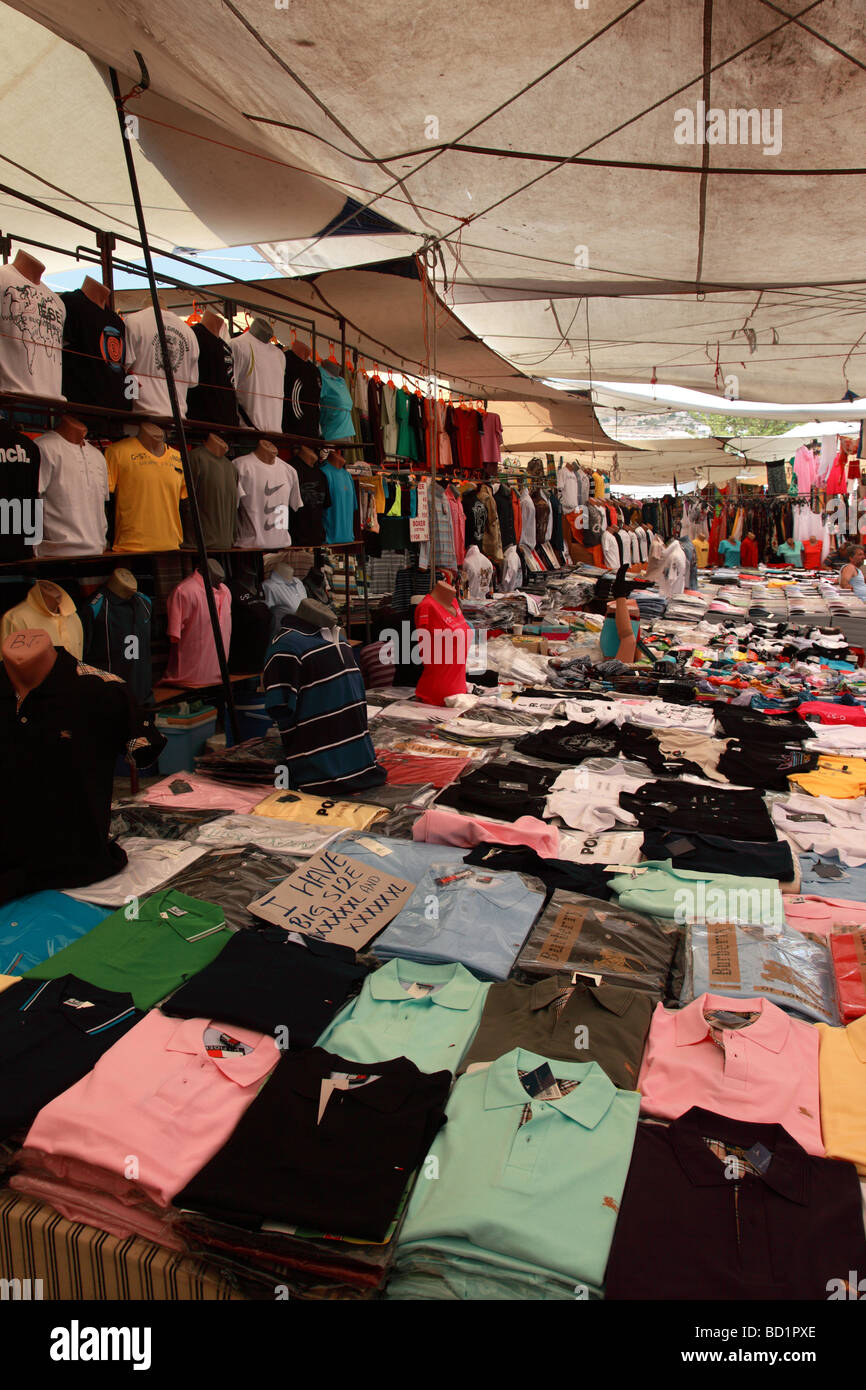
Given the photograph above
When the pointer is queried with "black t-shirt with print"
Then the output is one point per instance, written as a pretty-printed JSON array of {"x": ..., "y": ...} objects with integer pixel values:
[
  {"x": 94, "y": 354},
  {"x": 307, "y": 525}
]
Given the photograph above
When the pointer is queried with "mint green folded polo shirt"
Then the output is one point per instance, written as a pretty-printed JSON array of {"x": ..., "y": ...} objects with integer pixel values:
[
  {"x": 687, "y": 895},
  {"x": 428, "y": 1013},
  {"x": 532, "y": 1197}
]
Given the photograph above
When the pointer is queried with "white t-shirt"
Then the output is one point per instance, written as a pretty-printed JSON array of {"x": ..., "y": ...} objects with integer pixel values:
[
  {"x": 260, "y": 376},
  {"x": 527, "y": 519},
  {"x": 477, "y": 571},
  {"x": 567, "y": 484},
  {"x": 511, "y": 570},
  {"x": 73, "y": 483},
  {"x": 640, "y": 536},
  {"x": 589, "y": 800},
  {"x": 271, "y": 491},
  {"x": 610, "y": 550},
  {"x": 31, "y": 336},
  {"x": 674, "y": 571},
  {"x": 144, "y": 360}
]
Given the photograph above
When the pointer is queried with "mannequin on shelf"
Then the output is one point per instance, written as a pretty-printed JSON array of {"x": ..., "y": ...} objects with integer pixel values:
[
  {"x": 193, "y": 656},
  {"x": 31, "y": 330},
  {"x": 144, "y": 358},
  {"x": 94, "y": 348},
  {"x": 283, "y": 592},
  {"x": 97, "y": 292},
  {"x": 309, "y": 526},
  {"x": 73, "y": 485},
  {"x": 213, "y": 399},
  {"x": 146, "y": 477},
  {"x": 268, "y": 492},
  {"x": 217, "y": 490},
  {"x": 62, "y": 728},
  {"x": 117, "y": 624},
  {"x": 259, "y": 368},
  {"x": 339, "y": 517},
  {"x": 441, "y": 642},
  {"x": 47, "y": 607},
  {"x": 302, "y": 389}
]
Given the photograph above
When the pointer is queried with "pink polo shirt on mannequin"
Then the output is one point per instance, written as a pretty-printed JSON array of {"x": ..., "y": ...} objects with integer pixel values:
[
  {"x": 193, "y": 656},
  {"x": 766, "y": 1072}
]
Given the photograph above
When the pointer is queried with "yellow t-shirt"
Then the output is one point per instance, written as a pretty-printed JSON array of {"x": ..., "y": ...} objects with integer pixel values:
[
  {"x": 702, "y": 551},
  {"x": 148, "y": 492},
  {"x": 842, "y": 1079},
  {"x": 317, "y": 810},
  {"x": 835, "y": 776},
  {"x": 598, "y": 487}
]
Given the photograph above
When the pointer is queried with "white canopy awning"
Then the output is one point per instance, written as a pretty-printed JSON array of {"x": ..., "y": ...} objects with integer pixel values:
[{"x": 628, "y": 191}]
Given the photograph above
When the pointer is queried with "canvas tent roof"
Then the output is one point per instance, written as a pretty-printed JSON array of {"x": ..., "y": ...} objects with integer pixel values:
[{"x": 579, "y": 237}]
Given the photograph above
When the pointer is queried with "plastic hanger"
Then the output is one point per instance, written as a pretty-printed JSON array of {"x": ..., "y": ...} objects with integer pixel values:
[{"x": 332, "y": 355}]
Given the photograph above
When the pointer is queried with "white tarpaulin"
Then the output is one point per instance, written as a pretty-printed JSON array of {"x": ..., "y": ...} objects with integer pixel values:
[{"x": 631, "y": 189}]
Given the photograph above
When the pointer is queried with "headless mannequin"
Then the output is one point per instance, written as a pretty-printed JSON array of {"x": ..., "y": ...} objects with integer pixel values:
[
  {"x": 28, "y": 658},
  {"x": 123, "y": 583},
  {"x": 216, "y": 446},
  {"x": 307, "y": 455},
  {"x": 51, "y": 595},
  {"x": 72, "y": 430},
  {"x": 152, "y": 437},
  {"x": 261, "y": 329},
  {"x": 283, "y": 570},
  {"x": 213, "y": 322},
  {"x": 336, "y": 459},
  {"x": 301, "y": 350},
  {"x": 266, "y": 451},
  {"x": 100, "y": 294},
  {"x": 444, "y": 594},
  {"x": 29, "y": 267}
]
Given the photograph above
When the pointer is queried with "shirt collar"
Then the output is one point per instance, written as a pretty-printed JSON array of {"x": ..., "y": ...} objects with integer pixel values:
[
  {"x": 196, "y": 919},
  {"x": 459, "y": 990},
  {"x": 857, "y": 1037},
  {"x": 105, "y": 1009},
  {"x": 246, "y": 1069},
  {"x": 307, "y": 1070},
  {"x": 587, "y": 1104},
  {"x": 611, "y": 997},
  {"x": 788, "y": 1173},
  {"x": 770, "y": 1030},
  {"x": 67, "y": 607}
]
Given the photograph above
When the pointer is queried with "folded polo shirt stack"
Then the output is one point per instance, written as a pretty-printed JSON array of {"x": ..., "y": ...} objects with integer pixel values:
[
  {"x": 520, "y": 1191},
  {"x": 783, "y": 966},
  {"x": 843, "y": 1091}
]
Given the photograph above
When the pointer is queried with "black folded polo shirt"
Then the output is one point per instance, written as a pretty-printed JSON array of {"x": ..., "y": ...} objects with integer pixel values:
[
  {"x": 52, "y": 1033},
  {"x": 339, "y": 1163},
  {"x": 266, "y": 981}
]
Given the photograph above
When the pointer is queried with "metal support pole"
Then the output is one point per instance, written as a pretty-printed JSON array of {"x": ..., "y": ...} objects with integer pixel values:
[
  {"x": 231, "y": 717},
  {"x": 106, "y": 242},
  {"x": 343, "y": 367}
]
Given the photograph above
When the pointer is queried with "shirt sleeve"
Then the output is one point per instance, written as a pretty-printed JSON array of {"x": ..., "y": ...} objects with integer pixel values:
[
  {"x": 46, "y": 472},
  {"x": 111, "y": 468},
  {"x": 175, "y": 613}
]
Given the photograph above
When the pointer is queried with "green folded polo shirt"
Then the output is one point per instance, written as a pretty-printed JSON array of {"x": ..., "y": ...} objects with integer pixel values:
[
  {"x": 166, "y": 938},
  {"x": 526, "y": 1185},
  {"x": 428, "y": 1013},
  {"x": 687, "y": 895},
  {"x": 581, "y": 1021}
]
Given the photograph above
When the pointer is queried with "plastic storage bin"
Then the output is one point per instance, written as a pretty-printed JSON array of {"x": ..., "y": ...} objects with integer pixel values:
[{"x": 186, "y": 730}]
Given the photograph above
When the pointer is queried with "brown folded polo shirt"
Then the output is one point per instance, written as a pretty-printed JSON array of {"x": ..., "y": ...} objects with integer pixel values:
[{"x": 583, "y": 1022}]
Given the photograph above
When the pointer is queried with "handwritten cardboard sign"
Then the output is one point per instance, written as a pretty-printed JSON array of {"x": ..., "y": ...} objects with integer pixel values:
[{"x": 335, "y": 898}]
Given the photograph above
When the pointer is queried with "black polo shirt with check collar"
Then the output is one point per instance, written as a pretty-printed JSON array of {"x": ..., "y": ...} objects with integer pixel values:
[
  {"x": 690, "y": 1227},
  {"x": 344, "y": 1173},
  {"x": 58, "y": 750},
  {"x": 51, "y": 1034}
]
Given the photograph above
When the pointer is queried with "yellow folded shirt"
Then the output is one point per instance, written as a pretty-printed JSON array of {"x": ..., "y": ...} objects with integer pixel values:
[
  {"x": 834, "y": 776},
  {"x": 842, "y": 1081},
  {"x": 317, "y": 810}
]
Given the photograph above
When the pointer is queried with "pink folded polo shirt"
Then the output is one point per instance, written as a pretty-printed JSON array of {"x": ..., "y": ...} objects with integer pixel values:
[
  {"x": 450, "y": 828},
  {"x": 822, "y": 915},
  {"x": 201, "y": 794},
  {"x": 169, "y": 1093},
  {"x": 766, "y": 1072}
]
